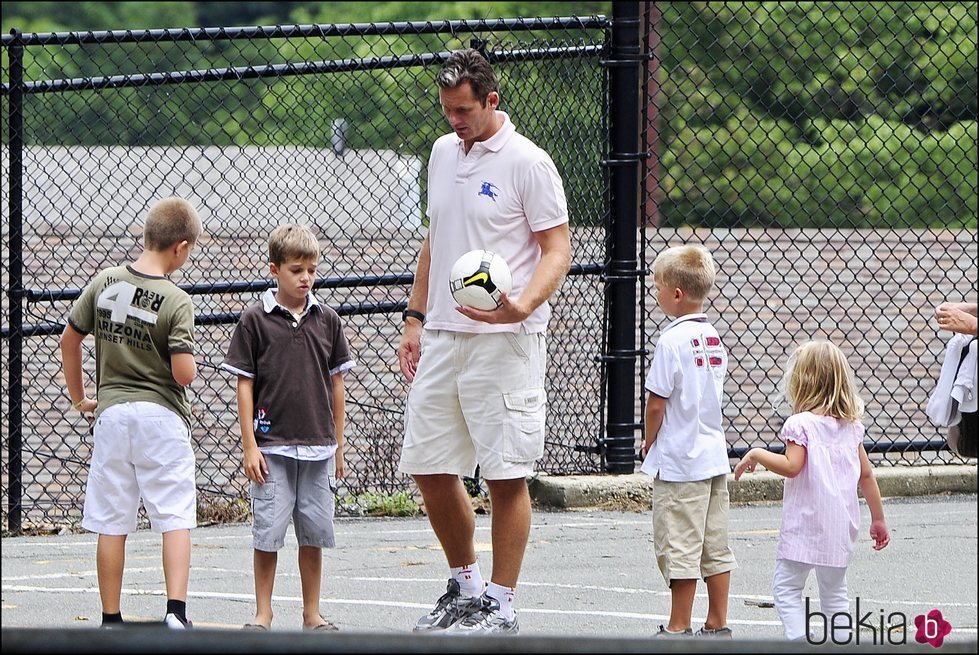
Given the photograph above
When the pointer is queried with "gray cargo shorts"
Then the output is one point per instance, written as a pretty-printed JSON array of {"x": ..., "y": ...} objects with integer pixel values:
[{"x": 295, "y": 490}]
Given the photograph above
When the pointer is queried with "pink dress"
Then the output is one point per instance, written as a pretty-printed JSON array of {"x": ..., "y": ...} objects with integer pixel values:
[{"x": 820, "y": 509}]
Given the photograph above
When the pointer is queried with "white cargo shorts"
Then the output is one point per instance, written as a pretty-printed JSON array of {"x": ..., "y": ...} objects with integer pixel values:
[{"x": 477, "y": 399}]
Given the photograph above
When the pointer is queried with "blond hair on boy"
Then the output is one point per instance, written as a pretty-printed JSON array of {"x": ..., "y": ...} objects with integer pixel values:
[
  {"x": 292, "y": 241},
  {"x": 171, "y": 221},
  {"x": 690, "y": 268}
]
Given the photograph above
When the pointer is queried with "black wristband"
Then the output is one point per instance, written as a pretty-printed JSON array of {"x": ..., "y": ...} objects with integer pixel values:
[{"x": 412, "y": 313}]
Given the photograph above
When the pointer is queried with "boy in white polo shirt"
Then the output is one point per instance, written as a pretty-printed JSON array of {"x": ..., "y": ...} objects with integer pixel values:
[{"x": 684, "y": 448}]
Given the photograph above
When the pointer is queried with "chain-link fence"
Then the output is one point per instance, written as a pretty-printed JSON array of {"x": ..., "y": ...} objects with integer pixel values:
[
  {"x": 826, "y": 154},
  {"x": 830, "y": 211},
  {"x": 326, "y": 125}
]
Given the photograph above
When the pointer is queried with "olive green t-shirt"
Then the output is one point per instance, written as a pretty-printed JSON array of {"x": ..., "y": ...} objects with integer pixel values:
[{"x": 138, "y": 321}]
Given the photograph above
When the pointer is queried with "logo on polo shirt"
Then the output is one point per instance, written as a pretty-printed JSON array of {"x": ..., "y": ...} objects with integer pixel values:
[
  {"x": 707, "y": 350},
  {"x": 714, "y": 351},
  {"x": 261, "y": 422},
  {"x": 489, "y": 190},
  {"x": 698, "y": 352}
]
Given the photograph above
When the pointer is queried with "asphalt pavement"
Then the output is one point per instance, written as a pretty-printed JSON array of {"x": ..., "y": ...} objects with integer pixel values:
[{"x": 587, "y": 573}]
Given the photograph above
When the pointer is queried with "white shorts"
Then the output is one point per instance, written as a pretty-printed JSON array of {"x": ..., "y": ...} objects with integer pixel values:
[
  {"x": 142, "y": 450},
  {"x": 476, "y": 399}
]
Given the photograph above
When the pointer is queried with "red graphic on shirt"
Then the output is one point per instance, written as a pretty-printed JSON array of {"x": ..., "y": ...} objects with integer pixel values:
[
  {"x": 695, "y": 343},
  {"x": 715, "y": 361},
  {"x": 700, "y": 361},
  {"x": 713, "y": 341}
]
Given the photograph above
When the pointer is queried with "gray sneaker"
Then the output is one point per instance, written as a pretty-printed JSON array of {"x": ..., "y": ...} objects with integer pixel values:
[
  {"x": 718, "y": 633},
  {"x": 486, "y": 620},
  {"x": 451, "y": 608},
  {"x": 663, "y": 633}
]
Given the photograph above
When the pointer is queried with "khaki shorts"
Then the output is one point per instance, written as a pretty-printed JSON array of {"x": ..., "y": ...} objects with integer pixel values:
[
  {"x": 476, "y": 399},
  {"x": 690, "y": 528}
]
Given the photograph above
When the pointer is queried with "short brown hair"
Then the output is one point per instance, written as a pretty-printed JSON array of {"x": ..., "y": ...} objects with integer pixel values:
[
  {"x": 690, "y": 268},
  {"x": 468, "y": 66},
  {"x": 170, "y": 221},
  {"x": 292, "y": 241}
]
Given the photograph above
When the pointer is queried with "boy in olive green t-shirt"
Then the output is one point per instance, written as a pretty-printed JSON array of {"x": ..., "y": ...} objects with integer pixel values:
[{"x": 143, "y": 326}]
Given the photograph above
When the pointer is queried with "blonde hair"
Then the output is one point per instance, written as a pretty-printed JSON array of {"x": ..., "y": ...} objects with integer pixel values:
[
  {"x": 819, "y": 379},
  {"x": 690, "y": 268},
  {"x": 170, "y": 221},
  {"x": 292, "y": 241}
]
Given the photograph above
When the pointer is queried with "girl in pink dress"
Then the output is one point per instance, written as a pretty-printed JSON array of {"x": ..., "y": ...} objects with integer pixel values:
[{"x": 824, "y": 462}]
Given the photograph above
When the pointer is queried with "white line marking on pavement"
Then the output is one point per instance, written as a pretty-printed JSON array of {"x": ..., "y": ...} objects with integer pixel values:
[
  {"x": 74, "y": 574},
  {"x": 632, "y": 590},
  {"x": 378, "y": 603},
  {"x": 396, "y": 580},
  {"x": 402, "y": 605}
]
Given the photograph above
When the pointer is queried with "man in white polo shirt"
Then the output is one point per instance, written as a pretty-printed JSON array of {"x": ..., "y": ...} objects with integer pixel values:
[{"x": 477, "y": 388}]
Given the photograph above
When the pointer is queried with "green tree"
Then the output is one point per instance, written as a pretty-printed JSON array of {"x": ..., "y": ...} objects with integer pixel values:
[{"x": 867, "y": 113}]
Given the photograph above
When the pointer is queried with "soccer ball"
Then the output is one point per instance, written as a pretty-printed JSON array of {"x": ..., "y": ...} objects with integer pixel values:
[{"x": 478, "y": 277}]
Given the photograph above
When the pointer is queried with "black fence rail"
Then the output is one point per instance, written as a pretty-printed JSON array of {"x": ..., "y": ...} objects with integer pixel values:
[{"x": 837, "y": 204}]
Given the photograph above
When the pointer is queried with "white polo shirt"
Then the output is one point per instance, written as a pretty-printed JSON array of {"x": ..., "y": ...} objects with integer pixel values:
[
  {"x": 688, "y": 369},
  {"x": 493, "y": 198}
]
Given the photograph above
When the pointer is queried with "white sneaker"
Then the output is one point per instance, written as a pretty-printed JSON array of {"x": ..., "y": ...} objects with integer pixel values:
[
  {"x": 487, "y": 619},
  {"x": 174, "y": 622},
  {"x": 451, "y": 608},
  {"x": 718, "y": 633}
]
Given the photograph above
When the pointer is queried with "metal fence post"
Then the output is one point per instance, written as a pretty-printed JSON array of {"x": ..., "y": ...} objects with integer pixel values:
[
  {"x": 623, "y": 270},
  {"x": 15, "y": 292}
]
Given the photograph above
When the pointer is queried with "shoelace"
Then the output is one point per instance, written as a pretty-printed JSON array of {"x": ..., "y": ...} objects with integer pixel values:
[
  {"x": 486, "y": 609},
  {"x": 445, "y": 600}
]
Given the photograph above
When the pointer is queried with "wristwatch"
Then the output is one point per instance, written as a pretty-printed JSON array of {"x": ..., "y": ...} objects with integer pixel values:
[{"x": 412, "y": 313}]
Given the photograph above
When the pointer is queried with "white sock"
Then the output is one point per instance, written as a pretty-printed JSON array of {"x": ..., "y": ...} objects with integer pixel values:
[
  {"x": 503, "y": 595},
  {"x": 469, "y": 579}
]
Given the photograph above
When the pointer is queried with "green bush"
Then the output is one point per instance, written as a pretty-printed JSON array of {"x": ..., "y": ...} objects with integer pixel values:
[{"x": 368, "y": 503}]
